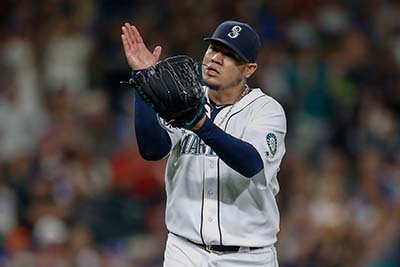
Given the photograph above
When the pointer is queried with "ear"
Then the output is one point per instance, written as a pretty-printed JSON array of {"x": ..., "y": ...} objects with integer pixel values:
[{"x": 250, "y": 69}]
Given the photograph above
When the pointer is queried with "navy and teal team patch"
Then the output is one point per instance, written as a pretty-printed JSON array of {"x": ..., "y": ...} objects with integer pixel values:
[{"x": 272, "y": 143}]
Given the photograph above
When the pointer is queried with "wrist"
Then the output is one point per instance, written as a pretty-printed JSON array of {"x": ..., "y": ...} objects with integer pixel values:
[
  {"x": 199, "y": 124},
  {"x": 135, "y": 75},
  {"x": 137, "y": 72}
]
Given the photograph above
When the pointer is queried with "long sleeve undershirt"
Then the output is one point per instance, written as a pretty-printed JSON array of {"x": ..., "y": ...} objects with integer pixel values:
[
  {"x": 237, "y": 154},
  {"x": 154, "y": 142}
]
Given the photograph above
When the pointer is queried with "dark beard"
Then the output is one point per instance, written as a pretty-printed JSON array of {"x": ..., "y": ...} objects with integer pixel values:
[
  {"x": 216, "y": 87},
  {"x": 212, "y": 86}
]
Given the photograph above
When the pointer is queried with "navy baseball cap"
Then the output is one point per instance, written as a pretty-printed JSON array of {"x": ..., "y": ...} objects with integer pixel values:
[{"x": 240, "y": 37}]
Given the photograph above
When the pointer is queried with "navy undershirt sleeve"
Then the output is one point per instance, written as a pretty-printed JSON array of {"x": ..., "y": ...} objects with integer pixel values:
[
  {"x": 153, "y": 141},
  {"x": 237, "y": 154}
]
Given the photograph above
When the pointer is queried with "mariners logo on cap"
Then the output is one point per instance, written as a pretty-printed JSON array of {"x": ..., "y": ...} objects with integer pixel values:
[{"x": 235, "y": 31}]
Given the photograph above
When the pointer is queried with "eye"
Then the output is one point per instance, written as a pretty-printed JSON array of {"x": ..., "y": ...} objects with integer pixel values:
[
  {"x": 213, "y": 48},
  {"x": 230, "y": 54},
  {"x": 234, "y": 56}
]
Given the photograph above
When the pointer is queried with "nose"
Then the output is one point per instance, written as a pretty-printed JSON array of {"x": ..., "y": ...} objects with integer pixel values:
[{"x": 217, "y": 58}]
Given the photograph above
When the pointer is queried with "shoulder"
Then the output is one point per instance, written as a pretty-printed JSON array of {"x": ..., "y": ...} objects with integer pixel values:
[
  {"x": 268, "y": 111},
  {"x": 265, "y": 101}
]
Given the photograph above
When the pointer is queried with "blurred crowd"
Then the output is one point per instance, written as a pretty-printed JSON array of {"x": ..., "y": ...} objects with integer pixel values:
[{"x": 74, "y": 191}]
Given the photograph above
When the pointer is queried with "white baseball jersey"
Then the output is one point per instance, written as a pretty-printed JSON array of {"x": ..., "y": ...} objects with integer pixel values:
[{"x": 209, "y": 202}]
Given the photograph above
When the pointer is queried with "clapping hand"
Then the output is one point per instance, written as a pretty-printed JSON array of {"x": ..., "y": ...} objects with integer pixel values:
[{"x": 136, "y": 52}]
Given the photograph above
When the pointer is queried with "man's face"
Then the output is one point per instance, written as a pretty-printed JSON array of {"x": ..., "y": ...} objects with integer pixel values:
[{"x": 222, "y": 68}]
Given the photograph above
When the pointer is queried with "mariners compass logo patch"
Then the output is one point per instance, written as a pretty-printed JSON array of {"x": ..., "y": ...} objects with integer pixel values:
[{"x": 272, "y": 143}]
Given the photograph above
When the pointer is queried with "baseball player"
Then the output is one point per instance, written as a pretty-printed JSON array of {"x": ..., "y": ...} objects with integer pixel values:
[{"x": 221, "y": 175}]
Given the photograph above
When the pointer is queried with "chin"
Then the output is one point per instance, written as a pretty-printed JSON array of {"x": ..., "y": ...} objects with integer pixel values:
[{"x": 212, "y": 86}]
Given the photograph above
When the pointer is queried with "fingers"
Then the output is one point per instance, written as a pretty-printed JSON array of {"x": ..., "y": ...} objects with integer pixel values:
[
  {"x": 136, "y": 35},
  {"x": 157, "y": 52},
  {"x": 128, "y": 35},
  {"x": 133, "y": 33},
  {"x": 125, "y": 43},
  {"x": 136, "y": 52}
]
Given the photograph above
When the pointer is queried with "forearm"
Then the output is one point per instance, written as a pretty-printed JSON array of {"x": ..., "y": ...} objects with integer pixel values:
[
  {"x": 153, "y": 141},
  {"x": 237, "y": 154}
]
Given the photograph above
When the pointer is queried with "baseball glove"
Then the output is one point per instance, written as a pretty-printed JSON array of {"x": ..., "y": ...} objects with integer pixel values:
[{"x": 174, "y": 89}]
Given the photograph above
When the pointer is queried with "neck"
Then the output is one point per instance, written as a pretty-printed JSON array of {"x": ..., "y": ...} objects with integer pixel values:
[{"x": 227, "y": 95}]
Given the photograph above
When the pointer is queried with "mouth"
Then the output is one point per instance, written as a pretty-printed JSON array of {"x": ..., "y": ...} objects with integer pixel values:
[{"x": 211, "y": 71}]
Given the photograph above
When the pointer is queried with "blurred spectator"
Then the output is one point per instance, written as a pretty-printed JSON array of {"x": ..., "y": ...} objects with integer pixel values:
[
  {"x": 21, "y": 125},
  {"x": 75, "y": 192},
  {"x": 8, "y": 210},
  {"x": 66, "y": 54},
  {"x": 82, "y": 247}
]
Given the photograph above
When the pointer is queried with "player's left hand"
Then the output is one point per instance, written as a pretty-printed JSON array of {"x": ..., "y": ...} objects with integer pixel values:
[
  {"x": 136, "y": 52},
  {"x": 173, "y": 88}
]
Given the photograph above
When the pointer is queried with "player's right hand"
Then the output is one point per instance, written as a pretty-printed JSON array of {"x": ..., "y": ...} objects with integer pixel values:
[{"x": 136, "y": 52}]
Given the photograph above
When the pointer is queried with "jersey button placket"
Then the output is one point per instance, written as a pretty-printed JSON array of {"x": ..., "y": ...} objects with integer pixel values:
[{"x": 210, "y": 211}]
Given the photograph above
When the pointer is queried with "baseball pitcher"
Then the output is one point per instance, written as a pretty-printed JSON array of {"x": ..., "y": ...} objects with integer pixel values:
[{"x": 224, "y": 141}]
